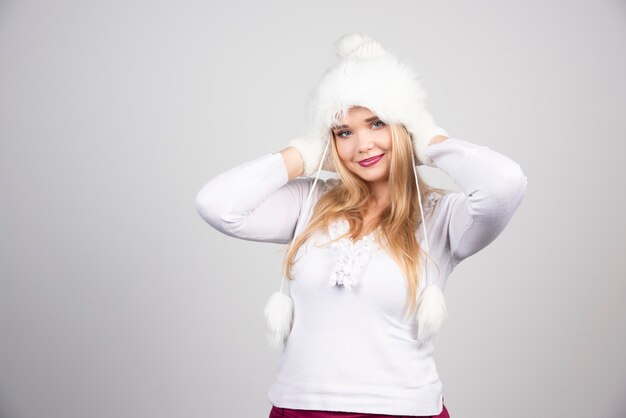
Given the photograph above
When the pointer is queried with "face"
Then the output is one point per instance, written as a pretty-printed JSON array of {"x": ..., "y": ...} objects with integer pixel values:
[{"x": 361, "y": 136}]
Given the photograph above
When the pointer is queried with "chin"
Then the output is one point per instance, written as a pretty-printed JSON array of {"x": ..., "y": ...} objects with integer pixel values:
[{"x": 373, "y": 176}]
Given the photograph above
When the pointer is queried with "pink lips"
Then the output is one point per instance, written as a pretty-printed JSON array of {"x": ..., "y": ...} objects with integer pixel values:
[{"x": 370, "y": 161}]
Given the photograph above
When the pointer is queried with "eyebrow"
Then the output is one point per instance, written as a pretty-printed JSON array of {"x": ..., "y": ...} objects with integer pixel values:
[{"x": 335, "y": 127}]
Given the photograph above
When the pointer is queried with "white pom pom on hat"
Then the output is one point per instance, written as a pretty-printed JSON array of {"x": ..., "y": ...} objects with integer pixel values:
[{"x": 358, "y": 45}]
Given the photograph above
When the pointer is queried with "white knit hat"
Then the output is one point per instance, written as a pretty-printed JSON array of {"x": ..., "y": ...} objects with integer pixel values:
[{"x": 367, "y": 76}]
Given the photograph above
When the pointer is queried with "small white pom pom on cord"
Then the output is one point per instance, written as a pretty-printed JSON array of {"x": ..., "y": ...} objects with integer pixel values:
[
  {"x": 431, "y": 305},
  {"x": 279, "y": 309},
  {"x": 431, "y": 312},
  {"x": 279, "y": 316}
]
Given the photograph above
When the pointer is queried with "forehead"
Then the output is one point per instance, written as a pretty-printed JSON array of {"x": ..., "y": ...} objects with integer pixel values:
[{"x": 355, "y": 115}]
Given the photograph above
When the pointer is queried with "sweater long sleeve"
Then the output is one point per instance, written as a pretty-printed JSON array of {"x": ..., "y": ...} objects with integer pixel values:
[
  {"x": 254, "y": 201},
  {"x": 351, "y": 348},
  {"x": 493, "y": 186}
]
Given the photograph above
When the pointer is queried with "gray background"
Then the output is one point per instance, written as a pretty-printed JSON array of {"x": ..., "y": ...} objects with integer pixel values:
[{"x": 117, "y": 300}]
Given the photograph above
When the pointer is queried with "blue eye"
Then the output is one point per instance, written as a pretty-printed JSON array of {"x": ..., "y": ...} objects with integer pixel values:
[{"x": 340, "y": 134}]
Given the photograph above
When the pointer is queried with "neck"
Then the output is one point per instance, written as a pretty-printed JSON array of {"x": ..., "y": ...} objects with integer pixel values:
[{"x": 379, "y": 194}]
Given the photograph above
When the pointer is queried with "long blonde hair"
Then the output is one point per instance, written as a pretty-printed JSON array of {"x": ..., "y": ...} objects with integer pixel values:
[{"x": 398, "y": 222}]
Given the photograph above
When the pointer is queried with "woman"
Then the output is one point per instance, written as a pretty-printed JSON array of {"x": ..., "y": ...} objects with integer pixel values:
[{"x": 370, "y": 251}]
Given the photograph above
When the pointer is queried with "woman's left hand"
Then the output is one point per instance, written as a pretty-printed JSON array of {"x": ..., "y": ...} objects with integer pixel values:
[
  {"x": 437, "y": 139},
  {"x": 425, "y": 132}
]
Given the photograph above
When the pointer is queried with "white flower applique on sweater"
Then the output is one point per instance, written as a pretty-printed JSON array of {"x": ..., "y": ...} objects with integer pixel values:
[{"x": 351, "y": 257}]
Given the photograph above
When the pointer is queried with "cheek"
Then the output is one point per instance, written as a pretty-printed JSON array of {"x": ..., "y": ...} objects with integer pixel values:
[
  {"x": 384, "y": 140},
  {"x": 344, "y": 149}
]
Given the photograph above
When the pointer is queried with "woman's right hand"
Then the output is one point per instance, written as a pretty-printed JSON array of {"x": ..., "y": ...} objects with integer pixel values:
[
  {"x": 293, "y": 162},
  {"x": 310, "y": 149}
]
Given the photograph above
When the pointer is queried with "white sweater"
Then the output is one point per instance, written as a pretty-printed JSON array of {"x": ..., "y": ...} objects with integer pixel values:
[{"x": 349, "y": 348}]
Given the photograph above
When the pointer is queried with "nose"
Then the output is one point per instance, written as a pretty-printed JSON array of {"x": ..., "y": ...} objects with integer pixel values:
[{"x": 365, "y": 142}]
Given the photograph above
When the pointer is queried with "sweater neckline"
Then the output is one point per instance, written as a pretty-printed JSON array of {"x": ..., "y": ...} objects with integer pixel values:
[{"x": 341, "y": 226}]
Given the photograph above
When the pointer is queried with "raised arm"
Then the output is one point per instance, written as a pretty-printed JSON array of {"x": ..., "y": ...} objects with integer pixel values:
[
  {"x": 256, "y": 201},
  {"x": 493, "y": 188}
]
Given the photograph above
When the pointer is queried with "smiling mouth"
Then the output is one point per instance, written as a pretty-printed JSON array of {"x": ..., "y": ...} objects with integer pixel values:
[
  {"x": 370, "y": 161},
  {"x": 371, "y": 158},
  {"x": 367, "y": 160}
]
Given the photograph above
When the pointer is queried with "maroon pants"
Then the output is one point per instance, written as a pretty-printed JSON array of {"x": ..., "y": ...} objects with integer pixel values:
[{"x": 278, "y": 412}]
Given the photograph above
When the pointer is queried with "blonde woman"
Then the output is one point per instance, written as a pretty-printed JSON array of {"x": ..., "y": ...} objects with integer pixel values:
[{"x": 369, "y": 251}]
